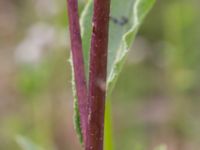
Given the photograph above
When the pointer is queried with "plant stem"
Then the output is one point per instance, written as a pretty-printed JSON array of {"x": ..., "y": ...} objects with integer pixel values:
[
  {"x": 97, "y": 75},
  {"x": 78, "y": 64}
]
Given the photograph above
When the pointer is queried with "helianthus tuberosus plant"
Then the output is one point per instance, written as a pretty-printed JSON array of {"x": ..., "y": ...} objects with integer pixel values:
[{"x": 100, "y": 40}]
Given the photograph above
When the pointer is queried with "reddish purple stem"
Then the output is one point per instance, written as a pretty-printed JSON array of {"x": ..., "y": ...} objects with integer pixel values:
[
  {"x": 78, "y": 64},
  {"x": 97, "y": 75},
  {"x": 91, "y": 106}
]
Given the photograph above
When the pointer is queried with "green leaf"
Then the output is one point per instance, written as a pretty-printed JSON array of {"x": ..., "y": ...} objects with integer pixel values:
[
  {"x": 27, "y": 144},
  {"x": 120, "y": 36},
  {"x": 77, "y": 124}
]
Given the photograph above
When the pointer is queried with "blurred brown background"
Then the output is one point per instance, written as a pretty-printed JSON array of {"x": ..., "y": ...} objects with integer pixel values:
[{"x": 156, "y": 99}]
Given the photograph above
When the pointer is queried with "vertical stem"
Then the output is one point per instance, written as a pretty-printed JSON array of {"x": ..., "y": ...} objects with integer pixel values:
[
  {"x": 78, "y": 63},
  {"x": 97, "y": 75}
]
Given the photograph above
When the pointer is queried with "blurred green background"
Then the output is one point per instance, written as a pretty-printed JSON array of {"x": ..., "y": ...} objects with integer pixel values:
[{"x": 156, "y": 99}]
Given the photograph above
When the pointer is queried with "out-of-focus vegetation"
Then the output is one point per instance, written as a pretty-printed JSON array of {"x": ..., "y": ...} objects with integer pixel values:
[{"x": 156, "y": 100}]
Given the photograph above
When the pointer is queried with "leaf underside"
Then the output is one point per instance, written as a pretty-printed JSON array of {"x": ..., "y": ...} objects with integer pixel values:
[{"x": 121, "y": 36}]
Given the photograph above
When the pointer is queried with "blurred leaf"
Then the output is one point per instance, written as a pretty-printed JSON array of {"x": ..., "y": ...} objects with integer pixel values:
[
  {"x": 27, "y": 144},
  {"x": 31, "y": 79},
  {"x": 161, "y": 147},
  {"x": 126, "y": 17}
]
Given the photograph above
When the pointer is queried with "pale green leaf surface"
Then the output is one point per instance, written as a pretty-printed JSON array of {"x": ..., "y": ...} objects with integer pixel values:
[{"x": 120, "y": 37}]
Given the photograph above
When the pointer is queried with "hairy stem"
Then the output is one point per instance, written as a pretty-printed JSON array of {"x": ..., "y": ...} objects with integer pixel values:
[
  {"x": 78, "y": 64},
  {"x": 97, "y": 75}
]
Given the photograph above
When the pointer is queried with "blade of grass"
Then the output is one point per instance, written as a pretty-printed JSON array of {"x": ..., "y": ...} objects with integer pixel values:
[{"x": 108, "y": 135}]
